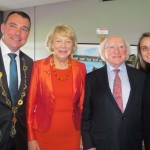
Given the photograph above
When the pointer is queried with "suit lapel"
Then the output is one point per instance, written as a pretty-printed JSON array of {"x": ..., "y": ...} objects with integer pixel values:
[
  {"x": 75, "y": 70},
  {"x": 103, "y": 79},
  {"x": 21, "y": 55},
  {"x": 4, "y": 80},
  {"x": 108, "y": 91},
  {"x": 47, "y": 75},
  {"x": 132, "y": 86}
]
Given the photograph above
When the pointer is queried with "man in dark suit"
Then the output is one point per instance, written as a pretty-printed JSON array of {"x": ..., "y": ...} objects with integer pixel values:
[
  {"x": 13, "y": 130},
  {"x": 112, "y": 108}
]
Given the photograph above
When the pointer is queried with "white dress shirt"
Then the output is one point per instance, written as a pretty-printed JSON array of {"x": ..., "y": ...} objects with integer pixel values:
[
  {"x": 124, "y": 81},
  {"x": 6, "y": 59}
]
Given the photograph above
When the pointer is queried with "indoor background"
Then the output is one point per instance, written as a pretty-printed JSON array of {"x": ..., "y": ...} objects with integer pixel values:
[{"x": 126, "y": 18}]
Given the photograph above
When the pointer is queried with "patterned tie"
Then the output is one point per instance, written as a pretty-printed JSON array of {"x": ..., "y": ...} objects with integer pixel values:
[
  {"x": 117, "y": 90},
  {"x": 13, "y": 84}
]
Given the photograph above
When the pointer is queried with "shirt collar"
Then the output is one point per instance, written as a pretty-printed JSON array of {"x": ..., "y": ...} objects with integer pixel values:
[
  {"x": 121, "y": 68},
  {"x": 5, "y": 50}
]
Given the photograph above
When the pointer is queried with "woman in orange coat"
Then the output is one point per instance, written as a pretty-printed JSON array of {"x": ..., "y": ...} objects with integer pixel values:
[{"x": 55, "y": 96}]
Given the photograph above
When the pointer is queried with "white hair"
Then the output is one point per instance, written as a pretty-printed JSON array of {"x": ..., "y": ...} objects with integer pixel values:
[{"x": 102, "y": 47}]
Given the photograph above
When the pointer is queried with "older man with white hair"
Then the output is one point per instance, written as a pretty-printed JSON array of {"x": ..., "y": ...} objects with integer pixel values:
[{"x": 113, "y": 98}]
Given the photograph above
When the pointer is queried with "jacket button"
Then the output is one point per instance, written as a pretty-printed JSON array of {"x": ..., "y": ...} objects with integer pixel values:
[{"x": 123, "y": 118}]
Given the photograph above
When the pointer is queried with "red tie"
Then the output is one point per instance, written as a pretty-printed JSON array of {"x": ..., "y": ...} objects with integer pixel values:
[{"x": 117, "y": 90}]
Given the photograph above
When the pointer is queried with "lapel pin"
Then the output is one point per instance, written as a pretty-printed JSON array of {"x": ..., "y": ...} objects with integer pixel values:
[
  {"x": 1, "y": 74},
  {"x": 47, "y": 72}
]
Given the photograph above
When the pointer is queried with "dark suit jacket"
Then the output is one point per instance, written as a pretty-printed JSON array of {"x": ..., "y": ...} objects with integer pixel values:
[
  {"x": 104, "y": 126},
  {"x": 146, "y": 113},
  {"x": 6, "y": 114}
]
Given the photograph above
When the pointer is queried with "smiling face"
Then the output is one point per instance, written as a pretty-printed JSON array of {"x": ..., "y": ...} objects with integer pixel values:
[
  {"x": 62, "y": 47},
  {"x": 114, "y": 51},
  {"x": 15, "y": 32},
  {"x": 145, "y": 49}
]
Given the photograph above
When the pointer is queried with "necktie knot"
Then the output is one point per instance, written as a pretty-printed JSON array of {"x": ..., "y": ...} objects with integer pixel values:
[
  {"x": 12, "y": 56},
  {"x": 116, "y": 71}
]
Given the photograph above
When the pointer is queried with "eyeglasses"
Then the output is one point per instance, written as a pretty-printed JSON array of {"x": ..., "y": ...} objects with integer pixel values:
[{"x": 114, "y": 47}]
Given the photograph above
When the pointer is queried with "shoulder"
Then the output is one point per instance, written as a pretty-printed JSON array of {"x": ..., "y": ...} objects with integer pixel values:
[
  {"x": 136, "y": 71},
  {"x": 98, "y": 72},
  {"x": 44, "y": 61},
  {"x": 26, "y": 57},
  {"x": 38, "y": 64},
  {"x": 136, "y": 75},
  {"x": 148, "y": 74},
  {"x": 148, "y": 78},
  {"x": 77, "y": 63},
  {"x": 81, "y": 68},
  {"x": 41, "y": 61}
]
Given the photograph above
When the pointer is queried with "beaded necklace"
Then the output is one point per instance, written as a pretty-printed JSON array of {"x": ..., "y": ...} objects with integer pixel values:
[{"x": 55, "y": 73}]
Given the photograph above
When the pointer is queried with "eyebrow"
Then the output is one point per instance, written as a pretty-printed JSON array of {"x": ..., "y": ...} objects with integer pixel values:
[
  {"x": 13, "y": 23},
  {"x": 26, "y": 28},
  {"x": 117, "y": 44},
  {"x": 143, "y": 46}
]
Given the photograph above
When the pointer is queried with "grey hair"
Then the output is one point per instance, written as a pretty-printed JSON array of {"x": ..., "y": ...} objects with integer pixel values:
[{"x": 102, "y": 47}]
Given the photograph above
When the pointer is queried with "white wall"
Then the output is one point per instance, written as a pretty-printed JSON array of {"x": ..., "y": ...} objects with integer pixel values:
[{"x": 127, "y": 18}]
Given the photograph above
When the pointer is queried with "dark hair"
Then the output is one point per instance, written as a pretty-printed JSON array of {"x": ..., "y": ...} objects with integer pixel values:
[
  {"x": 140, "y": 63},
  {"x": 21, "y": 13}
]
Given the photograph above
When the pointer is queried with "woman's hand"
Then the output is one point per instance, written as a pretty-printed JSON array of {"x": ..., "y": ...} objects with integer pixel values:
[
  {"x": 92, "y": 149},
  {"x": 33, "y": 145}
]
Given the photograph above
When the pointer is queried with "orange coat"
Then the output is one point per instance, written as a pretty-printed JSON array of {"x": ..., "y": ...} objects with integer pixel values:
[{"x": 41, "y": 98}]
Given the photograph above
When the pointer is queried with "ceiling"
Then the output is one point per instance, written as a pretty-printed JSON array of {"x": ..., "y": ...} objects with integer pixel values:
[{"x": 6, "y": 5}]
